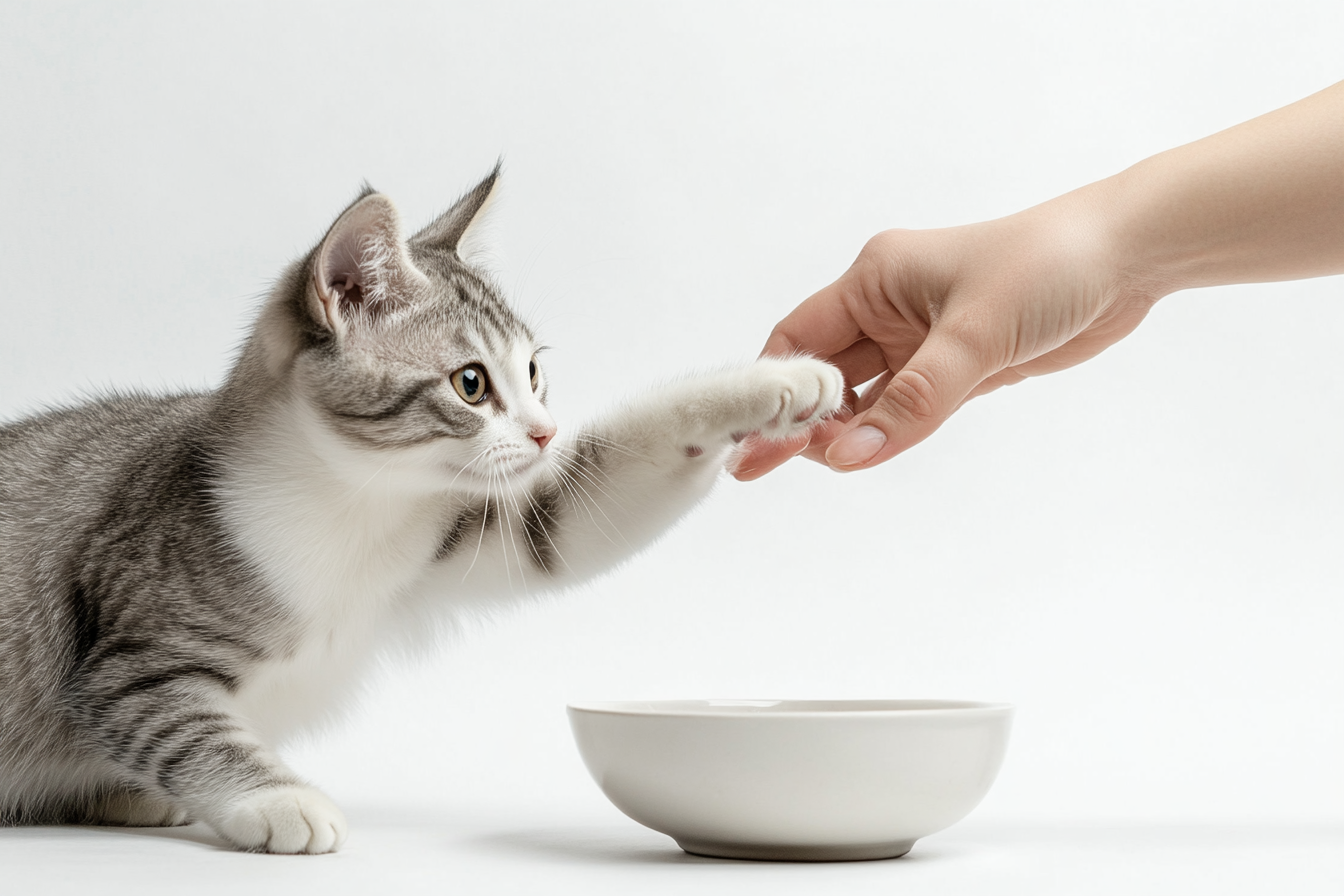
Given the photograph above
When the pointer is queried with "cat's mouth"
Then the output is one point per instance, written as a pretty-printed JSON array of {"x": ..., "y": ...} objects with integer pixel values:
[
  {"x": 521, "y": 466},
  {"x": 506, "y": 468}
]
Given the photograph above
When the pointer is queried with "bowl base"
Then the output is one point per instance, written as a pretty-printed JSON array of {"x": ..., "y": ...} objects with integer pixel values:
[{"x": 858, "y": 852}]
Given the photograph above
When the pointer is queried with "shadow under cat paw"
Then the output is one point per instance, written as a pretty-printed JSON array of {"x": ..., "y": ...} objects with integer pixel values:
[{"x": 193, "y": 832}]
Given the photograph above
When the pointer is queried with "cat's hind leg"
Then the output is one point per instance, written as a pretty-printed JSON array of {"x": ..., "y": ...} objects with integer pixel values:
[
  {"x": 170, "y": 730},
  {"x": 133, "y": 808}
]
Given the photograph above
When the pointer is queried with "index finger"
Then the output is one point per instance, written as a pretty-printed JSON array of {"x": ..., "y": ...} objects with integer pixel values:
[{"x": 821, "y": 326}]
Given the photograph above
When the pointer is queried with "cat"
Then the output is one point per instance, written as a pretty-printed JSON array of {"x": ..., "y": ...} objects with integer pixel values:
[{"x": 186, "y": 580}]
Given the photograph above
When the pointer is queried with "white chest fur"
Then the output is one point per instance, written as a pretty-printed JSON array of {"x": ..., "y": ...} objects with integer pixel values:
[{"x": 336, "y": 557}]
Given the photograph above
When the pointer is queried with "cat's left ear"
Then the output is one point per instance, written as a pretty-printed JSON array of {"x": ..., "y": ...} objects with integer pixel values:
[
  {"x": 459, "y": 230},
  {"x": 361, "y": 270}
]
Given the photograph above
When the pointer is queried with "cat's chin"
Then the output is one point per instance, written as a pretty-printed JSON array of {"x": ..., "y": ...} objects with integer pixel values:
[{"x": 499, "y": 476}]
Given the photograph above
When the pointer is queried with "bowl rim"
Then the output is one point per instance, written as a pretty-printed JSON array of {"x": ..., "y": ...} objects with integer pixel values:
[{"x": 793, "y": 709}]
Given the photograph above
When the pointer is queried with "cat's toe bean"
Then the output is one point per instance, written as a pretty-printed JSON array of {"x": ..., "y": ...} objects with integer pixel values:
[
  {"x": 808, "y": 390},
  {"x": 285, "y": 820}
]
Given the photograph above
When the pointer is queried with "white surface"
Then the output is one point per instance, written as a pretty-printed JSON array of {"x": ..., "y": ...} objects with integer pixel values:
[
  {"x": 1143, "y": 554},
  {"x": 785, "y": 779},
  {"x": 471, "y": 851}
]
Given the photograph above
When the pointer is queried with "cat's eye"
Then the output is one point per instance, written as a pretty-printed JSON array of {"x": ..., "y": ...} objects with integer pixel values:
[
  {"x": 533, "y": 372},
  {"x": 471, "y": 384}
]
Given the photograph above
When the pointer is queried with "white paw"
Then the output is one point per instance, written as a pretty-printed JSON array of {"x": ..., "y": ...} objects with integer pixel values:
[
  {"x": 288, "y": 820},
  {"x": 795, "y": 394}
]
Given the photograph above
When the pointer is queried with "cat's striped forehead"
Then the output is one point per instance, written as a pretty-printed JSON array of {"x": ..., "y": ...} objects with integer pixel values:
[{"x": 467, "y": 305}]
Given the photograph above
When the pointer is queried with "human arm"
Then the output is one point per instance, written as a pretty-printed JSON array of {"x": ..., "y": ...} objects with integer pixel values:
[{"x": 941, "y": 316}]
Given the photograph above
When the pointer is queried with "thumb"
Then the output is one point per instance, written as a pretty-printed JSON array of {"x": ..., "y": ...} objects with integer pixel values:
[{"x": 921, "y": 395}]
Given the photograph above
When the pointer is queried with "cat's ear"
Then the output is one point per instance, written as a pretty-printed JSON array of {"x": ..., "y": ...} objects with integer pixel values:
[
  {"x": 361, "y": 269},
  {"x": 459, "y": 230}
]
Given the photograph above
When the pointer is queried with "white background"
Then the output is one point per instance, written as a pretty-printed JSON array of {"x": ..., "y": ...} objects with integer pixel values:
[{"x": 1144, "y": 554}]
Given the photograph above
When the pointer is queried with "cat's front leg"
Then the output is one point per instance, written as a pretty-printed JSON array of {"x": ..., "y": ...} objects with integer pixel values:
[
  {"x": 622, "y": 482},
  {"x": 775, "y": 397},
  {"x": 171, "y": 731}
]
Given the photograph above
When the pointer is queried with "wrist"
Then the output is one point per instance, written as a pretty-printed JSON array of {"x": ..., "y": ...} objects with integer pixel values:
[
  {"x": 1258, "y": 202},
  {"x": 1136, "y": 259}
]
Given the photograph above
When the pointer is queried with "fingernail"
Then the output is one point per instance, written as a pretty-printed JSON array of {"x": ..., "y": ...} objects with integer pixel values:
[{"x": 856, "y": 446}]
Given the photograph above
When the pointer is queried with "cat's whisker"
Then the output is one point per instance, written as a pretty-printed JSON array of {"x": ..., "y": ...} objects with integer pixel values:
[
  {"x": 580, "y": 500},
  {"x": 566, "y": 480},
  {"x": 525, "y": 537},
  {"x": 373, "y": 476},
  {"x": 507, "y": 493},
  {"x": 588, "y": 435},
  {"x": 480, "y": 454},
  {"x": 581, "y": 463},
  {"x": 502, "y": 510},
  {"x": 480, "y": 542},
  {"x": 590, "y": 504},
  {"x": 506, "y": 526},
  {"x": 578, "y": 469},
  {"x": 610, "y": 444},
  {"x": 599, "y": 485},
  {"x": 545, "y": 527}
]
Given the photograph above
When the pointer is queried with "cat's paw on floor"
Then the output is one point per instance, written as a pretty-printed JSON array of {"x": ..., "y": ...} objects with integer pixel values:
[{"x": 288, "y": 820}]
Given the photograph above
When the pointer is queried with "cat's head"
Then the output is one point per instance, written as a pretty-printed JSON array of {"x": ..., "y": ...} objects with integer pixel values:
[{"x": 403, "y": 356}]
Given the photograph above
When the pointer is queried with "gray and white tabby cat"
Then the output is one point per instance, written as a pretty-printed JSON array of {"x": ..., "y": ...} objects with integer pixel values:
[{"x": 186, "y": 580}]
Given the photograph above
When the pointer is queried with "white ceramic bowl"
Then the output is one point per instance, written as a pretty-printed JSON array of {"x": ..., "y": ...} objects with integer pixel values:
[{"x": 799, "y": 780}]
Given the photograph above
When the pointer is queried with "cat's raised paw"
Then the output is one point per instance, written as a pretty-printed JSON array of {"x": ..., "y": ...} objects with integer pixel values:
[
  {"x": 289, "y": 820},
  {"x": 799, "y": 391}
]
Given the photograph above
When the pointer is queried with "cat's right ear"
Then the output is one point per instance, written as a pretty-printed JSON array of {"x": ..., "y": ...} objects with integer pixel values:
[
  {"x": 361, "y": 269},
  {"x": 459, "y": 231}
]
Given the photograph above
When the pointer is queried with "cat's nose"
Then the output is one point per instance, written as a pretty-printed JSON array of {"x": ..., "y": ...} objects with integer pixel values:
[{"x": 543, "y": 435}]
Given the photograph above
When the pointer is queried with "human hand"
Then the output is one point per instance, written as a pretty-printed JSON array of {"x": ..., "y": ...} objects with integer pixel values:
[
  {"x": 937, "y": 317},
  {"x": 934, "y": 318}
]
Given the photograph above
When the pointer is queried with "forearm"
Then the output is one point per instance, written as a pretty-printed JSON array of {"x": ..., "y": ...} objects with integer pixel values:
[{"x": 1259, "y": 202}]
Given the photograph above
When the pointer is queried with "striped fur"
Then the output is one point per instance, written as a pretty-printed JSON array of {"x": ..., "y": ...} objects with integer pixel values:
[{"x": 187, "y": 580}]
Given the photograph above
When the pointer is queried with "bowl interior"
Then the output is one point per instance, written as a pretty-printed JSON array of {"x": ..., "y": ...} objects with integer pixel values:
[{"x": 782, "y": 707}]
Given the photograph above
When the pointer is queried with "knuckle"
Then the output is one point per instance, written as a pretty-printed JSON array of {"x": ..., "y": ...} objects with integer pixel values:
[
  {"x": 883, "y": 245},
  {"x": 913, "y": 395},
  {"x": 783, "y": 342},
  {"x": 979, "y": 338}
]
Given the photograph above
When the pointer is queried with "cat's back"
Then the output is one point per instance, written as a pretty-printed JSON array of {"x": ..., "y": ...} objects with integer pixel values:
[{"x": 60, "y": 467}]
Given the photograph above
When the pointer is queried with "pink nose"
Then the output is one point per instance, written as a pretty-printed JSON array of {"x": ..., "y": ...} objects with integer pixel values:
[{"x": 543, "y": 436}]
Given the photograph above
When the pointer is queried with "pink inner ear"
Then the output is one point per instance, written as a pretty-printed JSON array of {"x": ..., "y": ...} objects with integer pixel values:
[
  {"x": 346, "y": 291},
  {"x": 340, "y": 268},
  {"x": 354, "y": 268}
]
